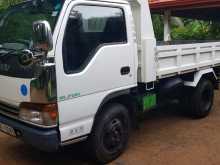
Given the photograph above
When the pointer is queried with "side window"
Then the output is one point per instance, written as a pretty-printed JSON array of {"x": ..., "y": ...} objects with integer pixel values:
[{"x": 88, "y": 28}]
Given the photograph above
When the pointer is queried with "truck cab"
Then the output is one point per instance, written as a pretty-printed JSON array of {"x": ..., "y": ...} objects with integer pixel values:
[
  {"x": 54, "y": 79},
  {"x": 81, "y": 70}
]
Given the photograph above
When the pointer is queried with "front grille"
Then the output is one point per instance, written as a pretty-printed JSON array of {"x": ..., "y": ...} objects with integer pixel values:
[{"x": 8, "y": 110}]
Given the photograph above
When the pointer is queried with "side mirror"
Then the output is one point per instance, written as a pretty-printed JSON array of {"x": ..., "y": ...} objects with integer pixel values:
[{"x": 43, "y": 38}]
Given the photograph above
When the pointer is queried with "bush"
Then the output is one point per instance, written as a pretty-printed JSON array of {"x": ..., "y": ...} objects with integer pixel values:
[
  {"x": 191, "y": 29},
  {"x": 6, "y": 3}
]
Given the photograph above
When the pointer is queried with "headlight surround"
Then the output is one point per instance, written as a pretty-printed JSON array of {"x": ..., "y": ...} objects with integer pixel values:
[{"x": 39, "y": 114}]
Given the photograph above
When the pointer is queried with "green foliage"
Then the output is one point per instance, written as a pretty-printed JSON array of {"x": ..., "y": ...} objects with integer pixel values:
[
  {"x": 158, "y": 26},
  {"x": 214, "y": 30},
  {"x": 191, "y": 29},
  {"x": 6, "y": 3},
  {"x": 19, "y": 26}
]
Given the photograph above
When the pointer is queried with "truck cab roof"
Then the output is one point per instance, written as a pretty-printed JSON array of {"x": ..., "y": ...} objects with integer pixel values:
[{"x": 111, "y": 1}]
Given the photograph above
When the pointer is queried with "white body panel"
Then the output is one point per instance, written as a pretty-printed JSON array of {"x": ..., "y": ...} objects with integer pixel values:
[
  {"x": 147, "y": 62},
  {"x": 77, "y": 115},
  {"x": 198, "y": 75},
  {"x": 145, "y": 39},
  {"x": 157, "y": 62},
  {"x": 178, "y": 59},
  {"x": 100, "y": 77},
  {"x": 10, "y": 91}
]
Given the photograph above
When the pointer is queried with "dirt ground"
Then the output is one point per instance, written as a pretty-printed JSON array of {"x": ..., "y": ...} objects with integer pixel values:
[{"x": 165, "y": 138}]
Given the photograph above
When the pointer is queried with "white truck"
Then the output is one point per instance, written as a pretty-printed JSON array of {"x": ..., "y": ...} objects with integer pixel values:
[{"x": 88, "y": 68}]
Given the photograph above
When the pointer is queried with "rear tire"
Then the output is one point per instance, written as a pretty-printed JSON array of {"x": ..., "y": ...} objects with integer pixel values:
[
  {"x": 198, "y": 101},
  {"x": 110, "y": 133}
]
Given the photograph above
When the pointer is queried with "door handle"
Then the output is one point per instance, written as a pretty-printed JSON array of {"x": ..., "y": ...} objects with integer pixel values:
[{"x": 125, "y": 70}]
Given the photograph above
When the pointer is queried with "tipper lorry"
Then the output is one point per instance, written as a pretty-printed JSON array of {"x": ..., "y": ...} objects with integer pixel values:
[{"x": 84, "y": 70}]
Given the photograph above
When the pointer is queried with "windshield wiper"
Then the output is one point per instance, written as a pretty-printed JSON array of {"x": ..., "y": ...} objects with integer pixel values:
[
  {"x": 4, "y": 56},
  {"x": 8, "y": 53},
  {"x": 3, "y": 48},
  {"x": 24, "y": 56}
]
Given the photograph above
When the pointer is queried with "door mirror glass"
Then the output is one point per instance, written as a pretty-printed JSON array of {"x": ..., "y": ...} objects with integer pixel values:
[{"x": 43, "y": 38}]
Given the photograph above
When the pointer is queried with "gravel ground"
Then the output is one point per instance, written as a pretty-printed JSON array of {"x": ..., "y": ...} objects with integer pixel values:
[{"x": 165, "y": 138}]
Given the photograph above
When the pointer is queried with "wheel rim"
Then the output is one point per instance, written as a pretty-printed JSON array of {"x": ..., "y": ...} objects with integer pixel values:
[
  {"x": 113, "y": 136},
  {"x": 207, "y": 97}
]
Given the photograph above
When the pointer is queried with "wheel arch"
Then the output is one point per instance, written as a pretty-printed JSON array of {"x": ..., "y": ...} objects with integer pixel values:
[
  {"x": 206, "y": 74},
  {"x": 122, "y": 97}
]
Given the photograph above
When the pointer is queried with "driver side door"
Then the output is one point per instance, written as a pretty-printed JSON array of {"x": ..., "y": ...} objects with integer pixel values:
[{"x": 96, "y": 58}]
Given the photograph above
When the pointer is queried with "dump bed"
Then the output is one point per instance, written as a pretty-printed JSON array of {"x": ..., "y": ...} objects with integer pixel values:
[{"x": 181, "y": 58}]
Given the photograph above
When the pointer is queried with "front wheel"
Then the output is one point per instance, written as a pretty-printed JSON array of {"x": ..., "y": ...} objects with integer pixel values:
[{"x": 110, "y": 133}]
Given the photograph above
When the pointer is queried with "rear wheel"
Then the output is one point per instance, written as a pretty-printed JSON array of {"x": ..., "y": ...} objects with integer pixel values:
[
  {"x": 198, "y": 101},
  {"x": 110, "y": 133}
]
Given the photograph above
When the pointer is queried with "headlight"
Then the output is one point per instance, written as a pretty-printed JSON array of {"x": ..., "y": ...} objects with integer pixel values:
[{"x": 40, "y": 114}]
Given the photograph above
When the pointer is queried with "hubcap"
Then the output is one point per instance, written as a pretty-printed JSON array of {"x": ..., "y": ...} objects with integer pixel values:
[{"x": 113, "y": 136}]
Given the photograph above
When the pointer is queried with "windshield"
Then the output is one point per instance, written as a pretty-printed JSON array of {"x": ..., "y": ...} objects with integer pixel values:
[{"x": 16, "y": 21}]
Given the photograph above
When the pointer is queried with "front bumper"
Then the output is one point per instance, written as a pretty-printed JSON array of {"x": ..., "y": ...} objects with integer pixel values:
[{"x": 46, "y": 139}]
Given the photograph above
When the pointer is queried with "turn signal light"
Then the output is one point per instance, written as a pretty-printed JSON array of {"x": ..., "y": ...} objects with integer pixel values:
[{"x": 40, "y": 114}]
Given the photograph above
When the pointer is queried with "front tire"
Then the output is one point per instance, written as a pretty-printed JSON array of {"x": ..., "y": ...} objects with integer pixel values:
[{"x": 110, "y": 133}]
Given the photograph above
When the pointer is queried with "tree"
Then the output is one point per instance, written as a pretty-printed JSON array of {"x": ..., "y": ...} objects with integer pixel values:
[{"x": 6, "y": 3}]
